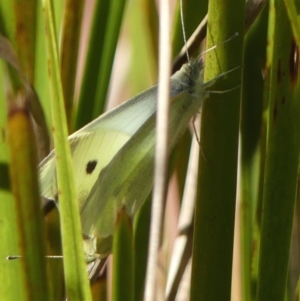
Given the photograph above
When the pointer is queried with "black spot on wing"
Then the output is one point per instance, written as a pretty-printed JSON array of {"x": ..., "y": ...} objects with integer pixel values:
[{"x": 91, "y": 166}]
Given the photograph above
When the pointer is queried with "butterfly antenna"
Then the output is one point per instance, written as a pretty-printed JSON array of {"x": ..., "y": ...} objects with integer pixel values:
[{"x": 183, "y": 30}]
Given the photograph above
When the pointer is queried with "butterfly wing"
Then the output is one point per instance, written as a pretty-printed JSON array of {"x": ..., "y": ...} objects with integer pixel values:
[
  {"x": 127, "y": 180},
  {"x": 93, "y": 146}
]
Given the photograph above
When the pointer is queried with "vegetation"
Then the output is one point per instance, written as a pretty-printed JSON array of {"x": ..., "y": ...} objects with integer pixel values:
[{"x": 231, "y": 219}]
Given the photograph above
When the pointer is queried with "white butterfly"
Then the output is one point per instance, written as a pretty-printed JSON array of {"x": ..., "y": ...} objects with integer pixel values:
[{"x": 113, "y": 156}]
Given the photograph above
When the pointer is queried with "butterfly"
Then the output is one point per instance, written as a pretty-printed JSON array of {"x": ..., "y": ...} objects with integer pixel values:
[{"x": 113, "y": 156}]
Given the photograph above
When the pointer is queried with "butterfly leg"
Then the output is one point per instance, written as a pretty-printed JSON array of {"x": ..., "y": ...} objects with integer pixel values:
[{"x": 211, "y": 82}]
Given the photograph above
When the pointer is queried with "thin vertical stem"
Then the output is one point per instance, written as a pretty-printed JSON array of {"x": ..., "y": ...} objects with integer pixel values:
[{"x": 161, "y": 146}]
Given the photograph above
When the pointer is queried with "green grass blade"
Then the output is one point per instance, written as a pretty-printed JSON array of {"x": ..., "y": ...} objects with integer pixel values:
[
  {"x": 54, "y": 247},
  {"x": 8, "y": 20},
  {"x": 282, "y": 155},
  {"x": 141, "y": 241},
  {"x": 116, "y": 12},
  {"x": 24, "y": 43},
  {"x": 93, "y": 64},
  {"x": 294, "y": 19},
  {"x": 21, "y": 46},
  {"x": 41, "y": 81},
  {"x": 25, "y": 34},
  {"x": 77, "y": 286},
  {"x": 69, "y": 51},
  {"x": 215, "y": 209},
  {"x": 192, "y": 18},
  {"x": 30, "y": 232},
  {"x": 297, "y": 293},
  {"x": 123, "y": 260},
  {"x": 150, "y": 16},
  {"x": 8, "y": 230},
  {"x": 251, "y": 152},
  {"x": 143, "y": 22}
]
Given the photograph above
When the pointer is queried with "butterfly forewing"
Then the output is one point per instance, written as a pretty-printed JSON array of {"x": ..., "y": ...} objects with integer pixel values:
[{"x": 113, "y": 128}]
